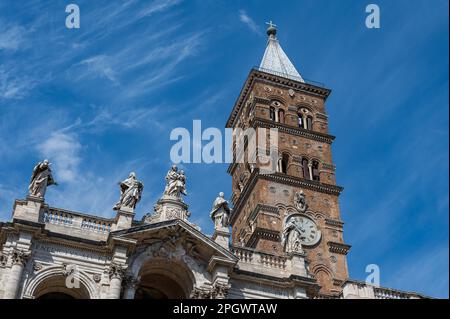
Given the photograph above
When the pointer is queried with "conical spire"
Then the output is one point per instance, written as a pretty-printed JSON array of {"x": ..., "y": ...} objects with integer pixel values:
[{"x": 275, "y": 61}]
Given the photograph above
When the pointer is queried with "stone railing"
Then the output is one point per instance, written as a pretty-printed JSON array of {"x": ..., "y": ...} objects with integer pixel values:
[
  {"x": 54, "y": 216},
  {"x": 272, "y": 261},
  {"x": 354, "y": 289},
  {"x": 386, "y": 293},
  {"x": 75, "y": 223},
  {"x": 245, "y": 255},
  {"x": 248, "y": 255},
  {"x": 96, "y": 224}
]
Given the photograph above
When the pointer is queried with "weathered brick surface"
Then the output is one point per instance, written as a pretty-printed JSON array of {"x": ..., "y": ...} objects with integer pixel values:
[{"x": 250, "y": 224}]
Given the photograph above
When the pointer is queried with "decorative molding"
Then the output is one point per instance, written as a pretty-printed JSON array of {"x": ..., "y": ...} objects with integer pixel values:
[
  {"x": 220, "y": 290},
  {"x": 297, "y": 131},
  {"x": 262, "y": 233},
  {"x": 116, "y": 270},
  {"x": 284, "y": 179},
  {"x": 338, "y": 248},
  {"x": 265, "y": 208},
  {"x": 334, "y": 222},
  {"x": 19, "y": 257}
]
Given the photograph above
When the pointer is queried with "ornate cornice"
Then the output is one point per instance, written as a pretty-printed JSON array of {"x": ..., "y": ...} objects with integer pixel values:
[
  {"x": 262, "y": 233},
  {"x": 338, "y": 248},
  {"x": 297, "y": 131},
  {"x": 265, "y": 208},
  {"x": 334, "y": 222},
  {"x": 283, "y": 179}
]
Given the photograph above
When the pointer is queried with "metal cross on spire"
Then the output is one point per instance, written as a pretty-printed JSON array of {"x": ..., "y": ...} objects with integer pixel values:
[{"x": 270, "y": 24}]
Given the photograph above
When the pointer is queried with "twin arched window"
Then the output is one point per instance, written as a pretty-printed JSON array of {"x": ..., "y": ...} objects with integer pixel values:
[
  {"x": 305, "y": 121},
  {"x": 276, "y": 112},
  {"x": 310, "y": 169}
]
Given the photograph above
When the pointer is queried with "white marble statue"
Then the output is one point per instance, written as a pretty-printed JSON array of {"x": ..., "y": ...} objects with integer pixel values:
[
  {"x": 130, "y": 192},
  {"x": 40, "y": 179},
  {"x": 292, "y": 236},
  {"x": 175, "y": 182},
  {"x": 220, "y": 212}
]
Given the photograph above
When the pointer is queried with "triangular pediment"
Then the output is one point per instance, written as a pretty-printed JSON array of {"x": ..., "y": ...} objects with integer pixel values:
[{"x": 177, "y": 230}]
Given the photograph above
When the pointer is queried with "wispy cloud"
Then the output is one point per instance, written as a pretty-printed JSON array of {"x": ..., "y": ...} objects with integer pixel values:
[
  {"x": 64, "y": 150},
  {"x": 248, "y": 21},
  {"x": 14, "y": 86},
  {"x": 99, "y": 66},
  {"x": 11, "y": 38}
]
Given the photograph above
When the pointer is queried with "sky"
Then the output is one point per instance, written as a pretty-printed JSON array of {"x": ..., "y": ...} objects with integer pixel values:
[{"x": 100, "y": 101}]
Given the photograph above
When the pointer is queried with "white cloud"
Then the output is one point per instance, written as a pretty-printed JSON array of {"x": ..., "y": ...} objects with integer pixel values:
[
  {"x": 14, "y": 87},
  {"x": 157, "y": 6},
  {"x": 64, "y": 151},
  {"x": 100, "y": 66},
  {"x": 245, "y": 18},
  {"x": 12, "y": 38}
]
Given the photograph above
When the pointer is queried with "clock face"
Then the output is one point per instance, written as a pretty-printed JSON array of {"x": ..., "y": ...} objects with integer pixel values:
[{"x": 308, "y": 231}]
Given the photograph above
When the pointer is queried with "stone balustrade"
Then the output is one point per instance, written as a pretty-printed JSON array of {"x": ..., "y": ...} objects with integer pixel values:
[
  {"x": 76, "y": 224},
  {"x": 97, "y": 225},
  {"x": 353, "y": 289},
  {"x": 386, "y": 293},
  {"x": 55, "y": 216},
  {"x": 250, "y": 256}
]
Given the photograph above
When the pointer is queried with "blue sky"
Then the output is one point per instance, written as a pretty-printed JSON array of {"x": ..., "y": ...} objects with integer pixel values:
[{"x": 101, "y": 101}]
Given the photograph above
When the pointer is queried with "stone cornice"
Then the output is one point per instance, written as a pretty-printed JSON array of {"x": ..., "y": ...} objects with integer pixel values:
[
  {"x": 262, "y": 207},
  {"x": 262, "y": 233},
  {"x": 256, "y": 75},
  {"x": 338, "y": 248},
  {"x": 283, "y": 179},
  {"x": 297, "y": 131},
  {"x": 334, "y": 222}
]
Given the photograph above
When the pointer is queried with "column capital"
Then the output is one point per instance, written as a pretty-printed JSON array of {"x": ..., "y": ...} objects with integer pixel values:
[
  {"x": 117, "y": 270},
  {"x": 19, "y": 257}
]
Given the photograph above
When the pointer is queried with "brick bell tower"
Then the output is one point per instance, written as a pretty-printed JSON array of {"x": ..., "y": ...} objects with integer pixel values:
[{"x": 296, "y": 208}]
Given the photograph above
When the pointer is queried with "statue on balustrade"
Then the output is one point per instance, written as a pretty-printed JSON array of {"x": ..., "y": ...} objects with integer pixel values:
[
  {"x": 220, "y": 212},
  {"x": 175, "y": 183},
  {"x": 40, "y": 179},
  {"x": 130, "y": 192}
]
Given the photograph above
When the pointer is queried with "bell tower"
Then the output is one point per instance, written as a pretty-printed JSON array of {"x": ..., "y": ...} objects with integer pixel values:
[{"x": 295, "y": 209}]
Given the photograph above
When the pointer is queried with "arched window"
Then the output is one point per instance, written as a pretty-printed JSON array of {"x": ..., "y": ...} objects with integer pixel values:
[
  {"x": 284, "y": 163},
  {"x": 281, "y": 115},
  {"x": 300, "y": 121},
  {"x": 272, "y": 113},
  {"x": 315, "y": 171},
  {"x": 305, "y": 168},
  {"x": 309, "y": 120}
]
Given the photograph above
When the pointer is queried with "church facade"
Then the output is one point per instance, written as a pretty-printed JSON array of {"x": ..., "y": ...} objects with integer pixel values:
[{"x": 281, "y": 236}]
